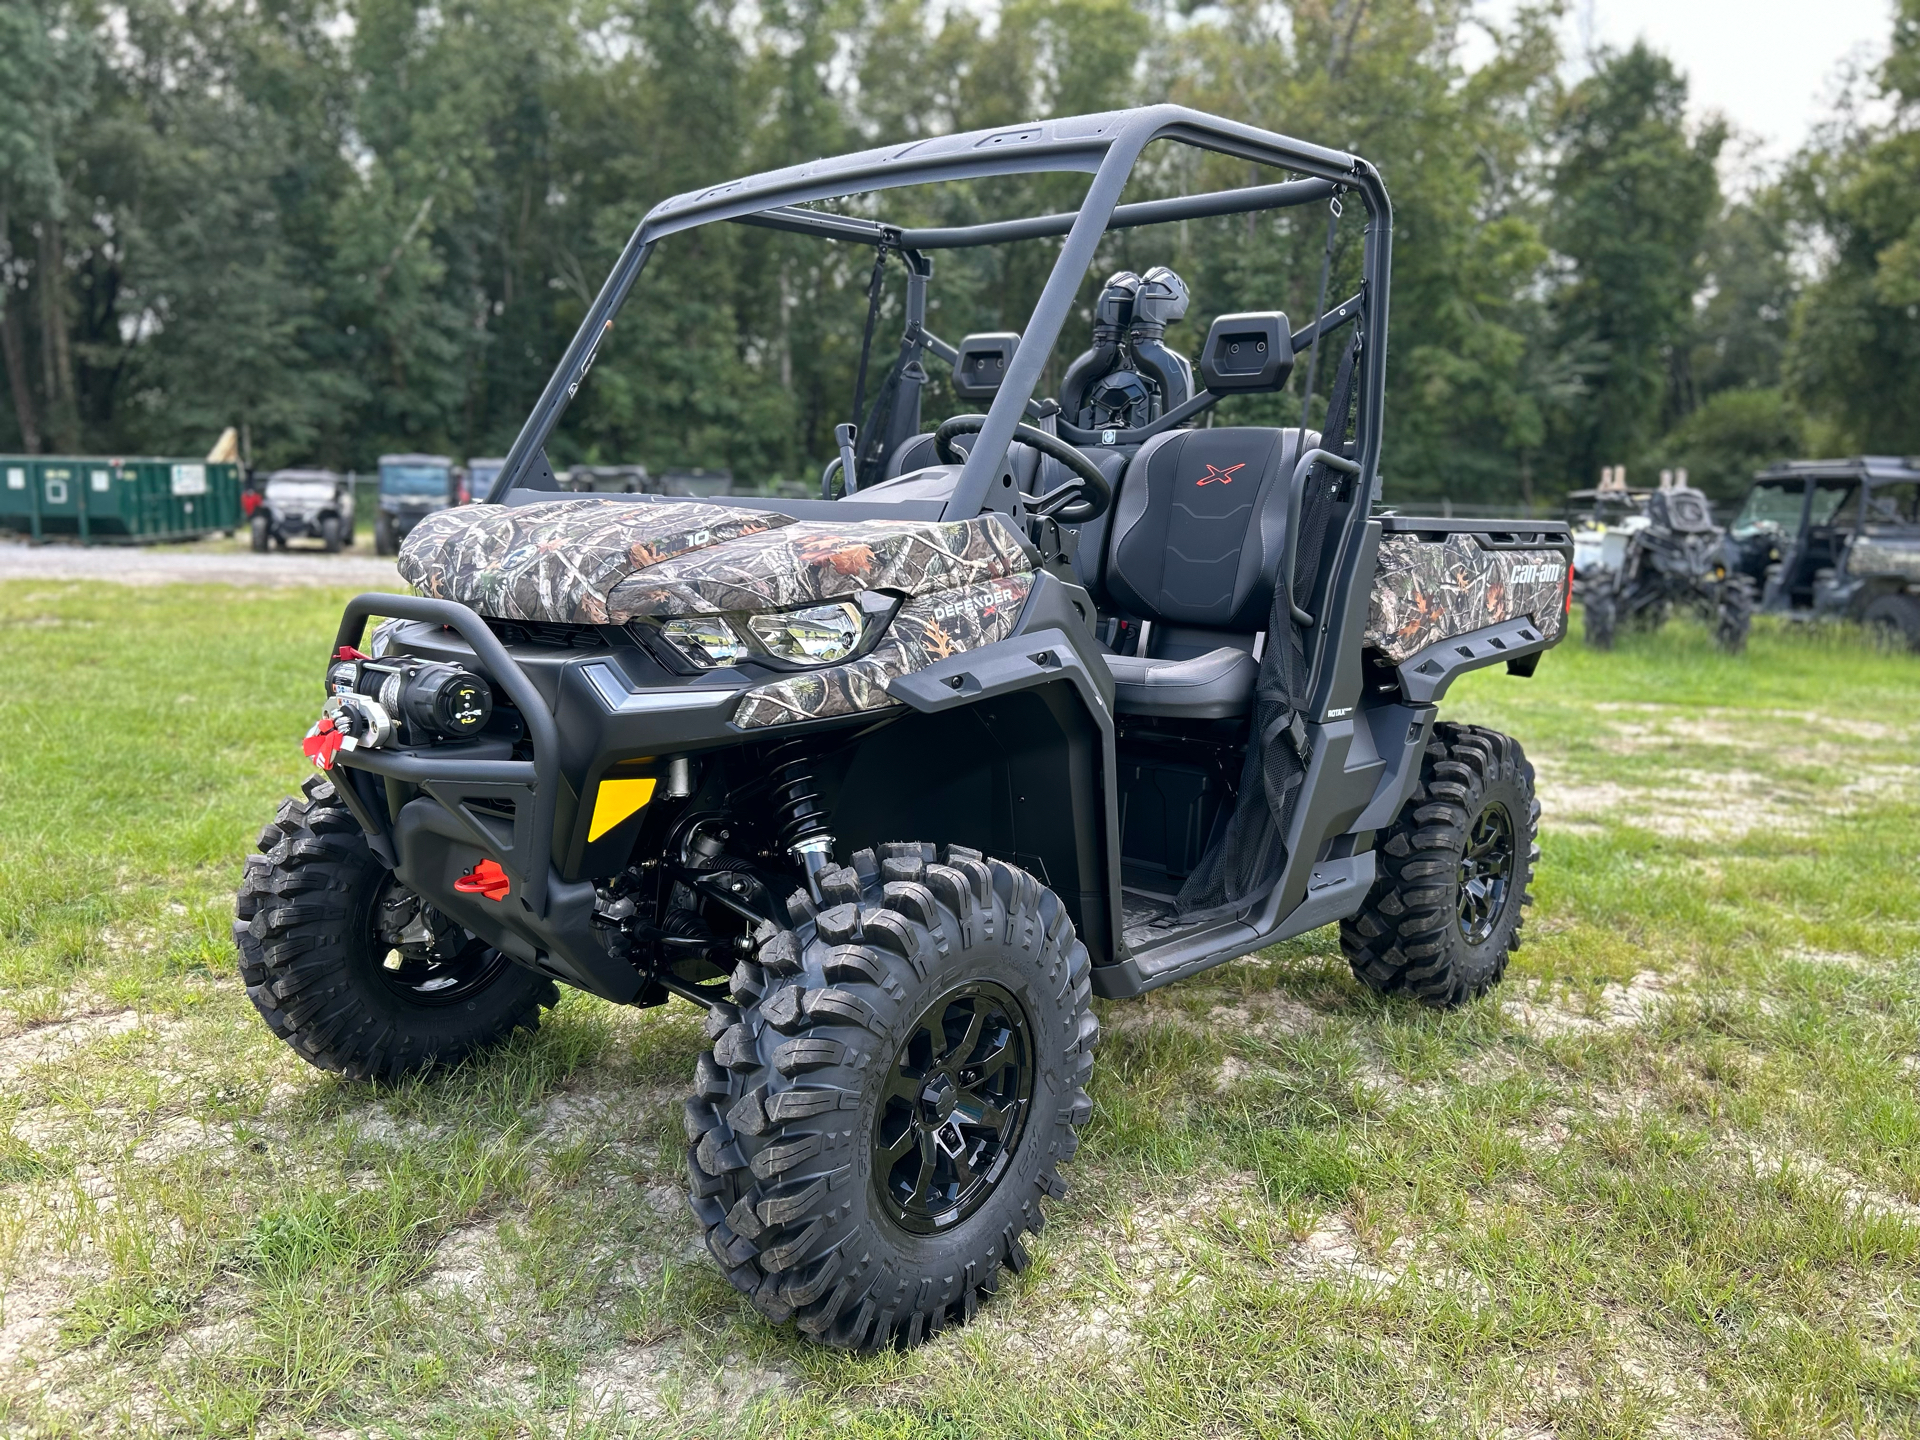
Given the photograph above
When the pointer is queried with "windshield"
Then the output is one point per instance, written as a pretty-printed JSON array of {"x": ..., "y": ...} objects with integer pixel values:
[
  {"x": 480, "y": 475},
  {"x": 414, "y": 480},
  {"x": 1894, "y": 504},
  {"x": 1771, "y": 503}
]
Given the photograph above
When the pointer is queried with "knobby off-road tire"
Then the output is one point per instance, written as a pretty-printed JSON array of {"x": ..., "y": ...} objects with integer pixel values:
[
  {"x": 314, "y": 964},
  {"x": 1447, "y": 903},
  {"x": 260, "y": 534},
  {"x": 1733, "y": 614},
  {"x": 384, "y": 541},
  {"x": 330, "y": 535},
  {"x": 926, "y": 989},
  {"x": 1600, "y": 611},
  {"x": 1894, "y": 622}
]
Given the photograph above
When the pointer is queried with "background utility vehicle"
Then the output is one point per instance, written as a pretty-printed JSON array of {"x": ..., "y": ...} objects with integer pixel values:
[
  {"x": 1182, "y": 682},
  {"x": 411, "y": 486},
  {"x": 304, "y": 505},
  {"x": 1639, "y": 554},
  {"x": 1837, "y": 538}
]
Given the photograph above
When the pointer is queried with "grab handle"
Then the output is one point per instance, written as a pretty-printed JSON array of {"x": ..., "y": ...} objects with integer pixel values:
[{"x": 1295, "y": 494}]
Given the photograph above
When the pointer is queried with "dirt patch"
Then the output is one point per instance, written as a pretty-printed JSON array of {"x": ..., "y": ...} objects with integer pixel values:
[
  {"x": 655, "y": 1381},
  {"x": 1619, "y": 1007},
  {"x": 52, "y": 1044}
]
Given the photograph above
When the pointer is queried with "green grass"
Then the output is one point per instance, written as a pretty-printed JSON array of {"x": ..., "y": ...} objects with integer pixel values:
[{"x": 1667, "y": 1183}]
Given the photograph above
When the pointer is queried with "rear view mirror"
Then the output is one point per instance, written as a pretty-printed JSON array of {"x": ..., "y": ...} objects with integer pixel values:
[
  {"x": 982, "y": 364},
  {"x": 1247, "y": 353}
]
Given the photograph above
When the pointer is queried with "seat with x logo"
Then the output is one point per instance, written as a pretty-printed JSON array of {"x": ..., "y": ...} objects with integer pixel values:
[{"x": 1192, "y": 548}]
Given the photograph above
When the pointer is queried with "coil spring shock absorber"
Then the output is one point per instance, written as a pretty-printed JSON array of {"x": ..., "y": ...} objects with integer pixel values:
[{"x": 801, "y": 811}]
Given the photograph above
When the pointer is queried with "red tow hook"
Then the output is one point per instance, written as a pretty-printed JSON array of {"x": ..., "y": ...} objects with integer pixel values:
[{"x": 487, "y": 879}]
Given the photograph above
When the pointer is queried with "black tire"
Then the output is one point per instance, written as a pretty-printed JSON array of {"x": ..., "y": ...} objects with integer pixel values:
[
  {"x": 832, "y": 1024},
  {"x": 330, "y": 534},
  {"x": 383, "y": 541},
  {"x": 1600, "y": 610},
  {"x": 1733, "y": 614},
  {"x": 1894, "y": 620},
  {"x": 262, "y": 534},
  {"x": 1413, "y": 935},
  {"x": 316, "y": 967}
]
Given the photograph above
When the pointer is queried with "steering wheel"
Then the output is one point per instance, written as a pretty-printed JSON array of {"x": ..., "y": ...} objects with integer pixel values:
[{"x": 1084, "y": 497}]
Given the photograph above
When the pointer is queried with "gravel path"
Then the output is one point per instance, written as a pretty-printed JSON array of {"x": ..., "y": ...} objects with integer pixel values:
[{"x": 132, "y": 565}]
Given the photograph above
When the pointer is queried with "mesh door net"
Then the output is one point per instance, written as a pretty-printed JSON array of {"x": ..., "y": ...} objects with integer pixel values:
[{"x": 1250, "y": 856}]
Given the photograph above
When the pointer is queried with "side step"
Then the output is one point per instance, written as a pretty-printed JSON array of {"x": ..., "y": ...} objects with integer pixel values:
[{"x": 1335, "y": 889}]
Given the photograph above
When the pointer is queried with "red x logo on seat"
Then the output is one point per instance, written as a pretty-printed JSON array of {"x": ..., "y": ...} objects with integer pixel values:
[{"x": 1225, "y": 477}]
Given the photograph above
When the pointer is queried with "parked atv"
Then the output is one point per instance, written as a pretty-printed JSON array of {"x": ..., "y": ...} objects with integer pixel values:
[
  {"x": 1835, "y": 539},
  {"x": 1178, "y": 686},
  {"x": 1665, "y": 557},
  {"x": 303, "y": 505},
  {"x": 411, "y": 487}
]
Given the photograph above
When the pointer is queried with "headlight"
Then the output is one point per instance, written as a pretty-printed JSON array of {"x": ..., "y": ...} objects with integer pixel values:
[
  {"x": 782, "y": 639},
  {"x": 707, "y": 640},
  {"x": 818, "y": 636}
]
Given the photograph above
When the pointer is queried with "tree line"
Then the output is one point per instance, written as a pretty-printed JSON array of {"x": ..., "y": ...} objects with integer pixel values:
[{"x": 372, "y": 225}]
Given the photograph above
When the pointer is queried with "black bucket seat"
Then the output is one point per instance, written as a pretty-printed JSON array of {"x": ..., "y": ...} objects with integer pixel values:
[{"x": 1193, "y": 546}]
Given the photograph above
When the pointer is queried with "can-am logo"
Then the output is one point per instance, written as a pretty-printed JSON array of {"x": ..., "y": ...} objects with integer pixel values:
[
  {"x": 1225, "y": 477},
  {"x": 1546, "y": 570}
]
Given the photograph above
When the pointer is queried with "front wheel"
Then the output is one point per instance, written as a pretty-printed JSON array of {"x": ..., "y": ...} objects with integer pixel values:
[
  {"x": 1600, "y": 609},
  {"x": 891, "y": 1093},
  {"x": 353, "y": 970},
  {"x": 383, "y": 540},
  {"x": 1447, "y": 900},
  {"x": 261, "y": 534},
  {"x": 330, "y": 534},
  {"x": 1733, "y": 614}
]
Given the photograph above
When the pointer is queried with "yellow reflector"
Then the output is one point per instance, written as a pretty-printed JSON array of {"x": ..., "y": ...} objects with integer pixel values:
[{"x": 617, "y": 801}]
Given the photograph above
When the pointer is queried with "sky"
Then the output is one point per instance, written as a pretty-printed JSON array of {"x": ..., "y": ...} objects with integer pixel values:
[{"x": 1770, "y": 66}]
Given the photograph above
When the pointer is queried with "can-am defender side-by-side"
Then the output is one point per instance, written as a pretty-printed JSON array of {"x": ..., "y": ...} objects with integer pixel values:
[
  {"x": 1068, "y": 697},
  {"x": 1835, "y": 539}
]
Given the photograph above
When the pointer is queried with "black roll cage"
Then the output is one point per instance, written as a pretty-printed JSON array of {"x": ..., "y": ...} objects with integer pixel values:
[{"x": 1108, "y": 146}]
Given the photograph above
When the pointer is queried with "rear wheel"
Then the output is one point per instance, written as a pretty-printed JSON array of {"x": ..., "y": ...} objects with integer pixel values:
[
  {"x": 1894, "y": 620},
  {"x": 352, "y": 969},
  {"x": 1447, "y": 901},
  {"x": 890, "y": 1095}
]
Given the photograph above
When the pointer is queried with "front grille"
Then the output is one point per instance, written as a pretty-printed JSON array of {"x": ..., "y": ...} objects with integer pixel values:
[{"x": 545, "y": 632}]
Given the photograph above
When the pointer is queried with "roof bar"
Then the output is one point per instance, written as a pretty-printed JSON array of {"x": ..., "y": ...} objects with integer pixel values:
[{"x": 830, "y": 226}]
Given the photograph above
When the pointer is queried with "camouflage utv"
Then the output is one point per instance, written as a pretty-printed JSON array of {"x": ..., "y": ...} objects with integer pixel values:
[{"x": 1063, "y": 698}]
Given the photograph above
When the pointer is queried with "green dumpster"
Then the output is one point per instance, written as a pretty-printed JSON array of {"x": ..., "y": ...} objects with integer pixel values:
[{"x": 118, "y": 501}]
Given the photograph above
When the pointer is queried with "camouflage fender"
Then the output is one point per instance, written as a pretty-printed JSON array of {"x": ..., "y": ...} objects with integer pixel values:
[
  {"x": 808, "y": 563},
  {"x": 927, "y": 629},
  {"x": 1425, "y": 591},
  {"x": 559, "y": 561},
  {"x": 1872, "y": 557}
]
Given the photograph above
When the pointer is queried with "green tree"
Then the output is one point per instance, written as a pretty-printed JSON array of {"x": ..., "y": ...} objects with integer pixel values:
[
  {"x": 1854, "y": 357},
  {"x": 1633, "y": 196}
]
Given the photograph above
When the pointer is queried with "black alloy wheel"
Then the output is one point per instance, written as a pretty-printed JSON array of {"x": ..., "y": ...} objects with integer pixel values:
[
  {"x": 351, "y": 969},
  {"x": 954, "y": 1107},
  {"x": 1486, "y": 873}
]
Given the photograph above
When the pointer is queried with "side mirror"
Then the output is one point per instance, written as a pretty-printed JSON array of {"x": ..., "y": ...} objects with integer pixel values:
[
  {"x": 982, "y": 364},
  {"x": 1247, "y": 354}
]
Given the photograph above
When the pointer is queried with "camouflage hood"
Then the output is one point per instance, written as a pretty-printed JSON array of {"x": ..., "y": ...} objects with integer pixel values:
[{"x": 607, "y": 561}]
